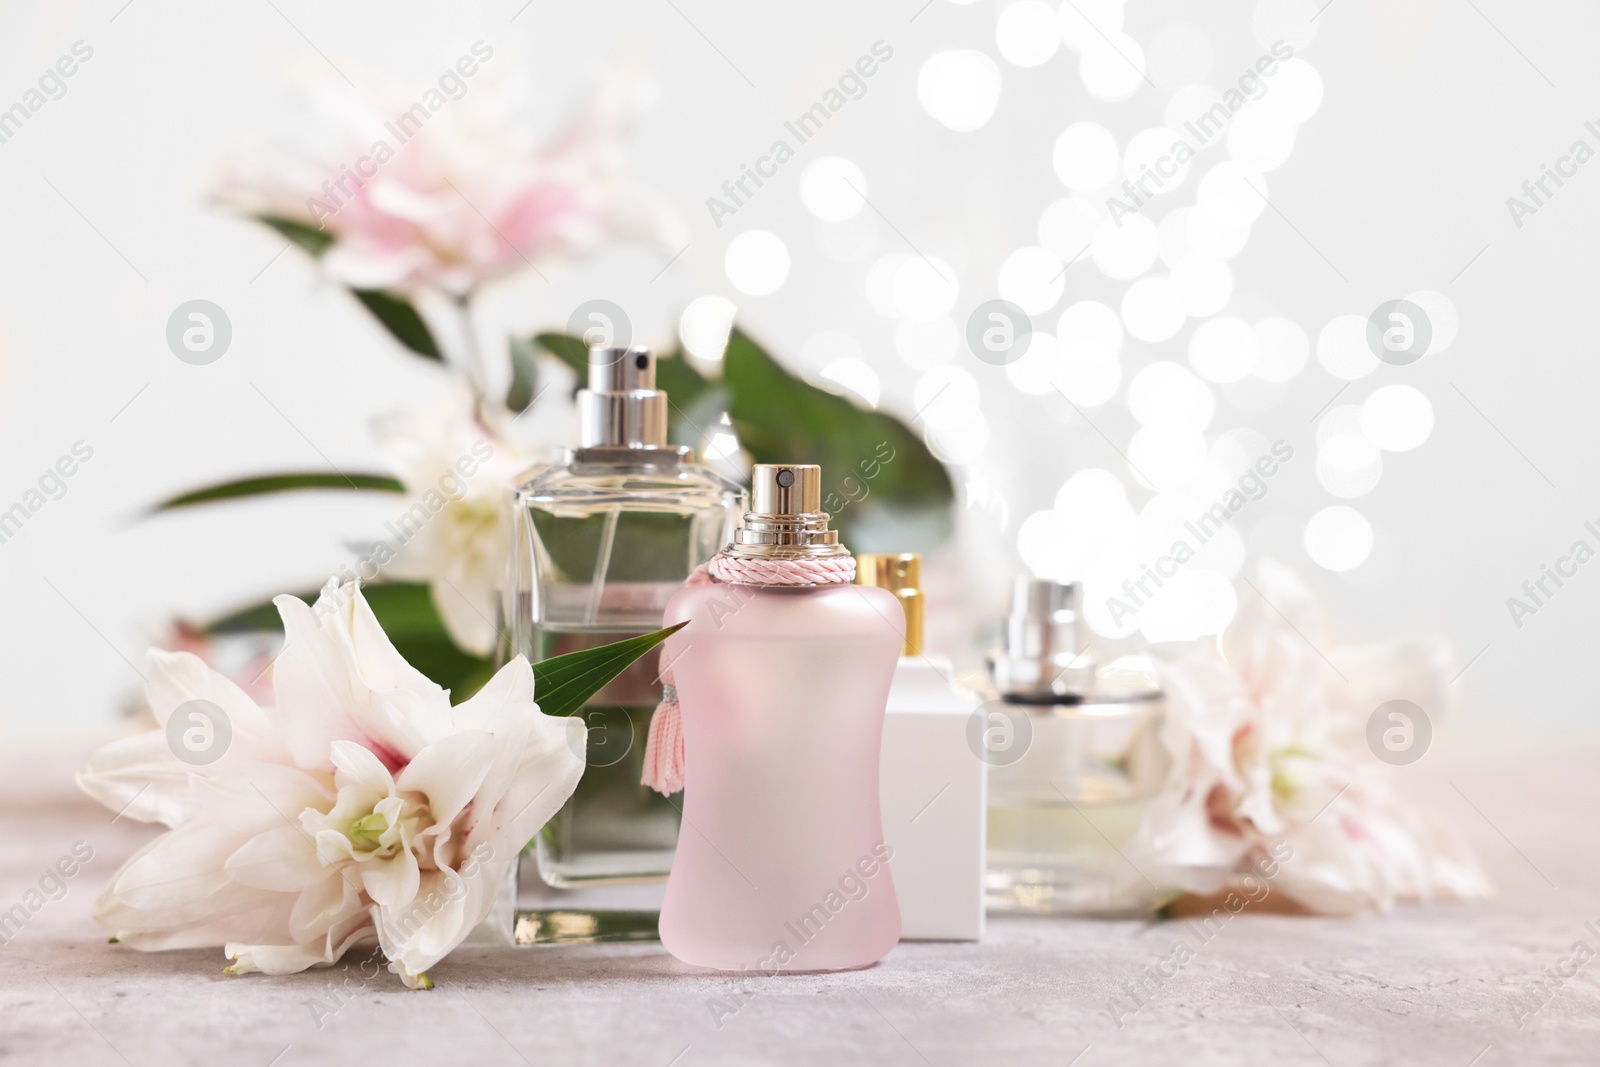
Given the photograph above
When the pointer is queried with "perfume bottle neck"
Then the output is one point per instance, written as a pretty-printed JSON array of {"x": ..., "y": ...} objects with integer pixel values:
[{"x": 622, "y": 408}]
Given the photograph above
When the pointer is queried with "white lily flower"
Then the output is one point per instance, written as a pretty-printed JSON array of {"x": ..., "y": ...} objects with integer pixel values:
[
  {"x": 1269, "y": 746},
  {"x": 454, "y": 531},
  {"x": 362, "y": 809}
]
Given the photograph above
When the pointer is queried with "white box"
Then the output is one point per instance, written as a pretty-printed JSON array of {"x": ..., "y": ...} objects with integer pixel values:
[{"x": 934, "y": 794}]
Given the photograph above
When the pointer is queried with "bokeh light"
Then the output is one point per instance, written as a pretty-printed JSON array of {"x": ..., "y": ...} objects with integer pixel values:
[
  {"x": 959, "y": 88},
  {"x": 1224, "y": 349},
  {"x": 1027, "y": 33},
  {"x": 1169, "y": 395},
  {"x": 1151, "y": 309},
  {"x": 1067, "y": 227},
  {"x": 1150, "y": 153},
  {"x": 925, "y": 288},
  {"x": 1342, "y": 348},
  {"x": 1032, "y": 278},
  {"x": 855, "y": 376},
  {"x": 1443, "y": 318},
  {"x": 704, "y": 326},
  {"x": 833, "y": 188},
  {"x": 1126, "y": 248},
  {"x": 757, "y": 262},
  {"x": 1285, "y": 349},
  {"x": 925, "y": 345},
  {"x": 1230, "y": 190},
  {"x": 1338, "y": 538},
  {"x": 1111, "y": 66},
  {"x": 880, "y": 283},
  {"x": 1085, "y": 157},
  {"x": 1204, "y": 285},
  {"x": 1396, "y": 418}
]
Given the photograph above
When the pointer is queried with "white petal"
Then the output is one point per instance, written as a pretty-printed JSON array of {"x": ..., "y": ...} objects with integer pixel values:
[
  {"x": 330, "y": 903},
  {"x": 437, "y": 920},
  {"x": 325, "y": 691},
  {"x": 140, "y": 776},
  {"x": 291, "y": 958},
  {"x": 392, "y": 882},
  {"x": 283, "y": 858},
  {"x": 355, "y": 766},
  {"x": 449, "y": 772}
]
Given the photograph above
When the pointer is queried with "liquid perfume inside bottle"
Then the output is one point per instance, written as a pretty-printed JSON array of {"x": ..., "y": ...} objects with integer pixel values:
[
  {"x": 603, "y": 541},
  {"x": 1075, "y": 761}
]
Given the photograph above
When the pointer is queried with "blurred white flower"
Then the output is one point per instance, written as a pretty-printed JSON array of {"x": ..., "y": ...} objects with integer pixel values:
[
  {"x": 1269, "y": 744},
  {"x": 455, "y": 530},
  {"x": 362, "y": 809},
  {"x": 448, "y": 187}
]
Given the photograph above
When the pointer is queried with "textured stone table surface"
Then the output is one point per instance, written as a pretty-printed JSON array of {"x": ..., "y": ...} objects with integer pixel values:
[{"x": 1432, "y": 985}]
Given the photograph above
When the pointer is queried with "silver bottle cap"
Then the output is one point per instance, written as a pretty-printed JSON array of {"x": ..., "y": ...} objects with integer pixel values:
[
  {"x": 622, "y": 408},
  {"x": 786, "y": 519},
  {"x": 1046, "y": 650}
]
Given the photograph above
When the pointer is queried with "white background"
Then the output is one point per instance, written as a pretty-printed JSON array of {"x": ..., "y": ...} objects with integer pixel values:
[{"x": 1433, "y": 115}]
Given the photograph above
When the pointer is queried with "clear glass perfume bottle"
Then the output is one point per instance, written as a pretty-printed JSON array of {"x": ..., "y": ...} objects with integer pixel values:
[
  {"x": 603, "y": 541},
  {"x": 1075, "y": 761},
  {"x": 783, "y": 866}
]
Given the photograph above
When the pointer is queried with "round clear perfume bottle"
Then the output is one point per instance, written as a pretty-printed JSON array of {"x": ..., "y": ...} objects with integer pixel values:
[{"x": 1076, "y": 760}]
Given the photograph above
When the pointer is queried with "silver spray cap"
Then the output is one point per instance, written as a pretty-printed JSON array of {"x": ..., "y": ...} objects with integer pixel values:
[
  {"x": 622, "y": 408},
  {"x": 786, "y": 520},
  {"x": 1045, "y": 655}
]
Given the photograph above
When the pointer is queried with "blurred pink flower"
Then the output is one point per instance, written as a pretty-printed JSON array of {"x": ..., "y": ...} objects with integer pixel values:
[
  {"x": 448, "y": 188},
  {"x": 1269, "y": 744}
]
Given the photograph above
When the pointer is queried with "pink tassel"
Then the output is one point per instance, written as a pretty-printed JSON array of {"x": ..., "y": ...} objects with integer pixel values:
[{"x": 663, "y": 751}]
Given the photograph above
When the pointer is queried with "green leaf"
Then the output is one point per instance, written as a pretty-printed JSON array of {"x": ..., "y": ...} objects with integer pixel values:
[
  {"x": 407, "y": 614},
  {"x": 401, "y": 320},
  {"x": 308, "y": 238},
  {"x": 524, "y": 374},
  {"x": 280, "y": 483},
  {"x": 394, "y": 312},
  {"x": 569, "y": 350},
  {"x": 563, "y": 683},
  {"x": 684, "y": 384},
  {"x": 886, "y": 491}
]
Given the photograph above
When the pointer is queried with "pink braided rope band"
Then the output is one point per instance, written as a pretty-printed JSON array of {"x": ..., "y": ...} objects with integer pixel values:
[
  {"x": 745, "y": 571},
  {"x": 663, "y": 751}
]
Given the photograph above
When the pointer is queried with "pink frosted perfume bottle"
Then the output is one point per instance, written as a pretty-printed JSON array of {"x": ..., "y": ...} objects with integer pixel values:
[{"x": 782, "y": 677}]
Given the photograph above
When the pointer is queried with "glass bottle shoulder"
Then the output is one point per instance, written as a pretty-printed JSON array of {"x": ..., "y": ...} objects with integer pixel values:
[{"x": 636, "y": 478}]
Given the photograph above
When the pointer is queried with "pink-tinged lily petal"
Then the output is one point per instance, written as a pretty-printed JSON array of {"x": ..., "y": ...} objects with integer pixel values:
[
  {"x": 391, "y": 808},
  {"x": 326, "y": 689},
  {"x": 143, "y": 778},
  {"x": 450, "y": 772},
  {"x": 173, "y": 893},
  {"x": 354, "y": 765}
]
